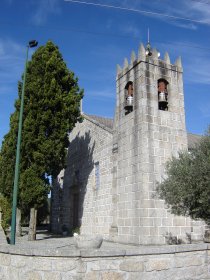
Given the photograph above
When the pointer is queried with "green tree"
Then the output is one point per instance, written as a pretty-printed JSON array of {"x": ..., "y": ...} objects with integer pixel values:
[
  {"x": 186, "y": 188},
  {"x": 6, "y": 211},
  {"x": 7, "y": 165},
  {"x": 51, "y": 109}
]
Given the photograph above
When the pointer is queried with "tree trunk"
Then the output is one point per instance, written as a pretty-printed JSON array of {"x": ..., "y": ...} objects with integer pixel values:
[
  {"x": 18, "y": 223},
  {"x": 32, "y": 224}
]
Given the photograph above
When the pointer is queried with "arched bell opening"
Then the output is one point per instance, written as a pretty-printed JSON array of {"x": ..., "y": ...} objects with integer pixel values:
[
  {"x": 162, "y": 94},
  {"x": 128, "y": 99}
]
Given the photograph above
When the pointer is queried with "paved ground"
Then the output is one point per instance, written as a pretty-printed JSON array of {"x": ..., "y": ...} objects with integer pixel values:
[
  {"x": 50, "y": 245},
  {"x": 46, "y": 240}
]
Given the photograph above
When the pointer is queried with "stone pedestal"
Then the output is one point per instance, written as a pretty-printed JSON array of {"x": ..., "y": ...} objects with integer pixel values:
[{"x": 88, "y": 241}]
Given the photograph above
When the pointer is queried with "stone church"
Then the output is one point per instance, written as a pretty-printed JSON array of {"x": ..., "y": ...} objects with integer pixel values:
[{"x": 113, "y": 166}]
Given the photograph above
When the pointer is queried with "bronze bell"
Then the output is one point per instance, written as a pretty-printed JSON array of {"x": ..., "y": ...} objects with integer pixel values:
[
  {"x": 162, "y": 101},
  {"x": 128, "y": 102},
  {"x": 162, "y": 97}
]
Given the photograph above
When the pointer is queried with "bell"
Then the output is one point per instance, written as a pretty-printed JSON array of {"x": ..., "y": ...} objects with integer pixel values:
[
  {"x": 162, "y": 97},
  {"x": 162, "y": 101},
  {"x": 129, "y": 102}
]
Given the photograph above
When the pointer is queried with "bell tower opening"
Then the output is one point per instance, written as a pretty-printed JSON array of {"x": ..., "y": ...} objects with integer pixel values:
[
  {"x": 162, "y": 94},
  {"x": 128, "y": 101}
]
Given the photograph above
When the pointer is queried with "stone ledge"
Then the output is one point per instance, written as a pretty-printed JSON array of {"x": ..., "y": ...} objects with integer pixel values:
[
  {"x": 104, "y": 252},
  {"x": 168, "y": 249},
  {"x": 10, "y": 249}
]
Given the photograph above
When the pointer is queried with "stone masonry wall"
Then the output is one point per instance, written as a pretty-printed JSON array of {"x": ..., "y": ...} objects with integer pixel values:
[
  {"x": 131, "y": 157},
  {"x": 163, "y": 263},
  {"x": 89, "y": 144},
  {"x": 147, "y": 138},
  {"x": 56, "y": 201}
]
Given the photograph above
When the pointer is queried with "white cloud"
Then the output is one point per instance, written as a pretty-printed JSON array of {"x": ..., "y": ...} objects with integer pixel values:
[
  {"x": 188, "y": 25},
  {"x": 43, "y": 9},
  {"x": 188, "y": 13},
  {"x": 101, "y": 94},
  {"x": 200, "y": 11},
  {"x": 185, "y": 9},
  {"x": 196, "y": 11},
  {"x": 197, "y": 70},
  {"x": 197, "y": 66},
  {"x": 11, "y": 65},
  {"x": 131, "y": 30}
]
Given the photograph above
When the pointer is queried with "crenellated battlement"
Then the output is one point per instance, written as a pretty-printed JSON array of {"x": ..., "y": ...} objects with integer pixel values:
[{"x": 153, "y": 57}]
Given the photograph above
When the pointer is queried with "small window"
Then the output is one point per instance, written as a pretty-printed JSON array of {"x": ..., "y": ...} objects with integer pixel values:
[
  {"x": 128, "y": 99},
  {"x": 163, "y": 95},
  {"x": 97, "y": 176}
]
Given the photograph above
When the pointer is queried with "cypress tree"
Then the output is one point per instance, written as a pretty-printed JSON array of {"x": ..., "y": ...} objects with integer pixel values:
[{"x": 51, "y": 109}]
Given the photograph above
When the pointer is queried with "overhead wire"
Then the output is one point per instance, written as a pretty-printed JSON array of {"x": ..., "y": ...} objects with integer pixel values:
[
  {"x": 76, "y": 30},
  {"x": 65, "y": 29},
  {"x": 138, "y": 11},
  {"x": 203, "y": 2}
]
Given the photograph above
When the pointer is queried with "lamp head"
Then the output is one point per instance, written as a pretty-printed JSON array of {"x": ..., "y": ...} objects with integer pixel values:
[{"x": 32, "y": 43}]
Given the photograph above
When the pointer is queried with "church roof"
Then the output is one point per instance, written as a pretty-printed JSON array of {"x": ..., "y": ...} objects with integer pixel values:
[
  {"x": 193, "y": 139},
  {"x": 107, "y": 124}
]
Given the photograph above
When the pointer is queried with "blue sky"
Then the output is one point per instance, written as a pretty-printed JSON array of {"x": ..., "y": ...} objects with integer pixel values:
[{"x": 94, "y": 39}]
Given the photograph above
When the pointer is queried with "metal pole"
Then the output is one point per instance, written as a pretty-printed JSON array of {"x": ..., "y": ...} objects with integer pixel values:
[{"x": 17, "y": 162}]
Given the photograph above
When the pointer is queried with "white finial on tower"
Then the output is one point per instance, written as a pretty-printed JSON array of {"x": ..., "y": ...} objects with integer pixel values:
[
  {"x": 167, "y": 58},
  {"x": 133, "y": 56},
  {"x": 155, "y": 53},
  {"x": 178, "y": 62},
  {"x": 125, "y": 63},
  {"x": 141, "y": 54},
  {"x": 119, "y": 69}
]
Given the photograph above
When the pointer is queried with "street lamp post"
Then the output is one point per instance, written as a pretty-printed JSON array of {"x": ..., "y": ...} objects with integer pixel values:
[{"x": 31, "y": 44}]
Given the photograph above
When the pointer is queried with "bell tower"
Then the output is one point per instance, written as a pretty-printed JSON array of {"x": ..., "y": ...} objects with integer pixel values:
[{"x": 149, "y": 128}]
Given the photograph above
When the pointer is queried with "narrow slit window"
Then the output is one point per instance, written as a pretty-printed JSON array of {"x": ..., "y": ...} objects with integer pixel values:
[{"x": 97, "y": 176}]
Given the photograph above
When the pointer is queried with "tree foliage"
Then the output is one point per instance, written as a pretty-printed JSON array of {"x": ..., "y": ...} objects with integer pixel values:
[
  {"x": 6, "y": 211},
  {"x": 51, "y": 109},
  {"x": 186, "y": 188},
  {"x": 52, "y": 99},
  {"x": 7, "y": 158},
  {"x": 34, "y": 189},
  {"x": 7, "y": 166}
]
